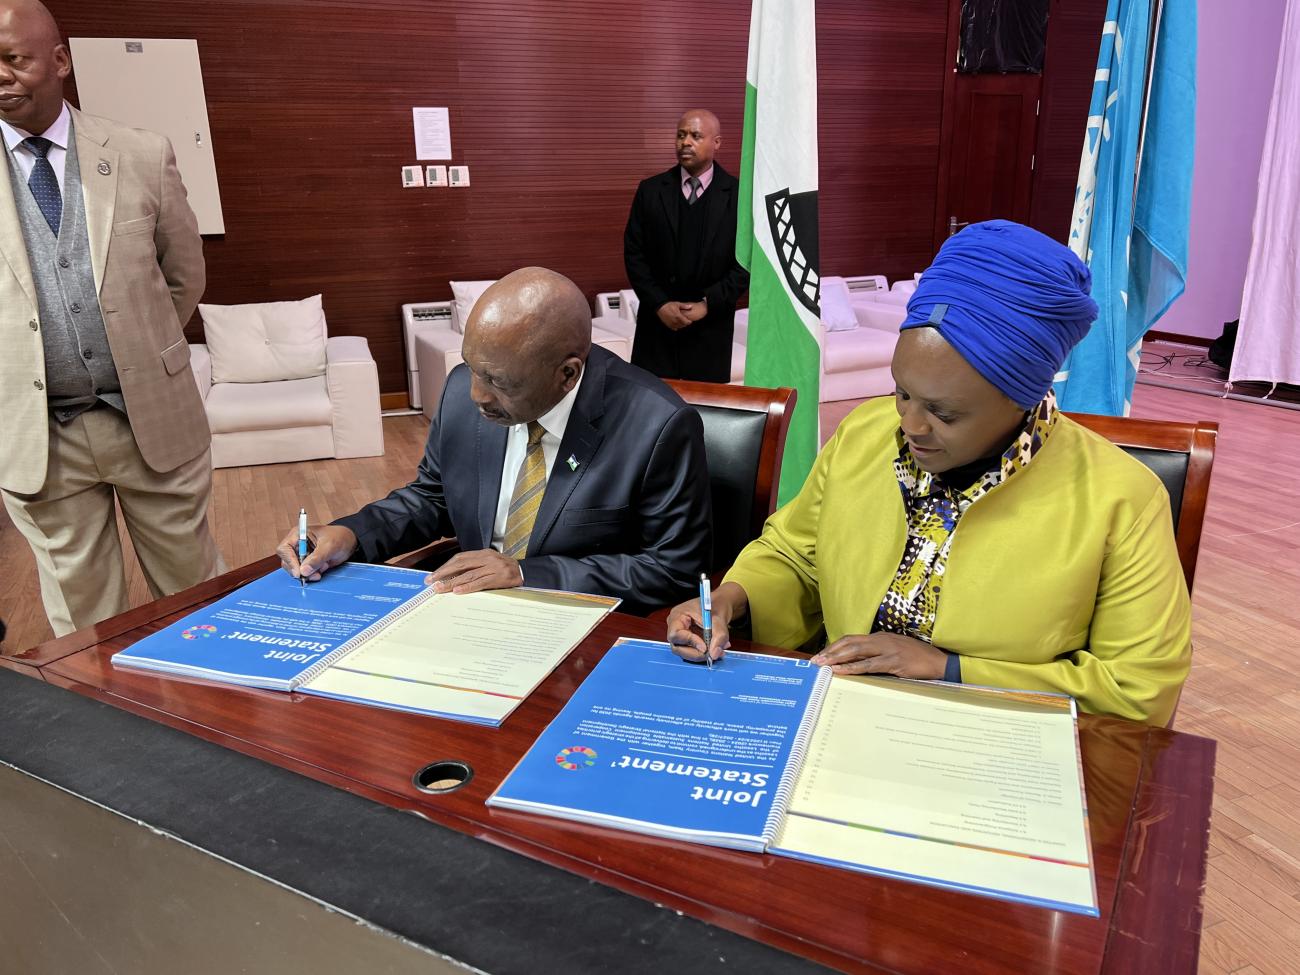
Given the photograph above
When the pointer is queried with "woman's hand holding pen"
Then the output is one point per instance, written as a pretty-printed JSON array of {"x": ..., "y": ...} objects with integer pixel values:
[{"x": 686, "y": 623}]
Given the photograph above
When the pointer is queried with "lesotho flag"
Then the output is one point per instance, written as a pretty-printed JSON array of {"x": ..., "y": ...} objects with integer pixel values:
[
  {"x": 776, "y": 235},
  {"x": 1133, "y": 201}
]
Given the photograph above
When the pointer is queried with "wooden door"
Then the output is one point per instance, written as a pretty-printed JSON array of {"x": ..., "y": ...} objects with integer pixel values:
[{"x": 990, "y": 134}]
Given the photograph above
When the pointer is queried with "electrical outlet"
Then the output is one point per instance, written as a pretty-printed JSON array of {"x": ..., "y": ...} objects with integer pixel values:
[
  {"x": 412, "y": 176},
  {"x": 459, "y": 175},
  {"x": 435, "y": 175}
]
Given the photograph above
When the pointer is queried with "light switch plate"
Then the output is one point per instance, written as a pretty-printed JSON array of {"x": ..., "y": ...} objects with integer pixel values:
[
  {"x": 412, "y": 176},
  {"x": 435, "y": 175},
  {"x": 459, "y": 175}
]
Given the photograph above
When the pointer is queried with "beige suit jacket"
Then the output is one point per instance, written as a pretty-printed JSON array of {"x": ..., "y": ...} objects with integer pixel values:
[{"x": 148, "y": 264}]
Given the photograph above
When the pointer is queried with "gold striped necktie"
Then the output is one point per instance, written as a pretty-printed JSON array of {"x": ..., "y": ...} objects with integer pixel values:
[{"x": 530, "y": 485}]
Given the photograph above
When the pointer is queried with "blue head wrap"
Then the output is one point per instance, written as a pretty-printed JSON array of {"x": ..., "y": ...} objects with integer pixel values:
[{"x": 1013, "y": 302}]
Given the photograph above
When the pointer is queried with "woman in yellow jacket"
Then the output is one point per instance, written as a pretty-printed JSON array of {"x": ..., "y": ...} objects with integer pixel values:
[{"x": 968, "y": 531}]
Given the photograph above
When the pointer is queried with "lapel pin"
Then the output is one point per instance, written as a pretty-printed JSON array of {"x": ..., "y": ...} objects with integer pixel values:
[
  {"x": 104, "y": 168},
  {"x": 572, "y": 462}
]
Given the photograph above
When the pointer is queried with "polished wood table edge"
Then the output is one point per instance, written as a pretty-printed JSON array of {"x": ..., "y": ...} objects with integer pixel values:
[
  {"x": 436, "y": 888},
  {"x": 1126, "y": 926},
  {"x": 43, "y": 654},
  {"x": 1129, "y": 925},
  {"x": 500, "y": 834},
  {"x": 1138, "y": 939},
  {"x": 12, "y": 663}
]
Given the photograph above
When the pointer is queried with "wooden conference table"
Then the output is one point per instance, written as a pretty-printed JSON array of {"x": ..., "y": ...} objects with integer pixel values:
[{"x": 1148, "y": 793}]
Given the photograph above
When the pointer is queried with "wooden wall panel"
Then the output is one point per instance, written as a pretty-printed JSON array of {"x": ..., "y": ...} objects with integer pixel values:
[
  {"x": 557, "y": 108},
  {"x": 1073, "y": 41},
  {"x": 880, "y": 100}
]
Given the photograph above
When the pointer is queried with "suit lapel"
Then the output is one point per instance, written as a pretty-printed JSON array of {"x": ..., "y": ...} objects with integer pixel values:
[
  {"x": 99, "y": 188},
  {"x": 582, "y": 438},
  {"x": 668, "y": 189},
  {"x": 491, "y": 443},
  {"x": 12, "y": 246}
]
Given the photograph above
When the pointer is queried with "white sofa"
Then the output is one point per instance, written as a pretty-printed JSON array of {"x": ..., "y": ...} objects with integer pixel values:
[
  {"x": 856, "y": 362},
  {"x": 334, "y": 415},
  {"x": 276, "y": 388},
  {"x": 900, "y": 293}
]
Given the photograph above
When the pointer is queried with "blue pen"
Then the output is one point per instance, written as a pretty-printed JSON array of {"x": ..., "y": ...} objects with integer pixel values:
[
  {"x": 706, "y": 611},
  {"x": 302, "y": 544}
]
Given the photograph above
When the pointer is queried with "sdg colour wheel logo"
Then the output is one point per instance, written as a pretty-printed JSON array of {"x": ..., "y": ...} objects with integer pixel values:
[
  {"x": 204, "y": 630},
  {"x": 575, "y": 757}
]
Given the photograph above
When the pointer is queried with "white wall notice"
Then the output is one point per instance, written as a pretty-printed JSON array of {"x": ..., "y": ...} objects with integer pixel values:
[{"x": 432, "y": 133}]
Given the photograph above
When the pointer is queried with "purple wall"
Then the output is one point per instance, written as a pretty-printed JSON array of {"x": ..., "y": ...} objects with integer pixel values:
[{"x": 1237, "y": 57}]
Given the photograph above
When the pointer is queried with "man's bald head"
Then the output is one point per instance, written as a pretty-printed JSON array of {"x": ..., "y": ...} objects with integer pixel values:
[
  {"x": 699, "y": 136},
  {"x": 39, "y": 14},
  {"x": 537, "y": 309},
  {"x": 703, "y": 118},
  {"x": 526, "y": 342},
  {"x": 33, "y": 63}
]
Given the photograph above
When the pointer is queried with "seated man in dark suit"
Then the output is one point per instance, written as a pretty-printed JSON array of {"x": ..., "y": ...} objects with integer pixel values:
[{"x": 553, "y": 462}]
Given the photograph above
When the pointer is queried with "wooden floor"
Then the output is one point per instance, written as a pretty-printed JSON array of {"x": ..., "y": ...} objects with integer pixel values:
[{"x": 1244, "y": 688}]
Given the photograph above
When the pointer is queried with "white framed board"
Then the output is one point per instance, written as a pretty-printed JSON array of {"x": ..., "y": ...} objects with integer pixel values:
[{"x": 156, "y": 84}]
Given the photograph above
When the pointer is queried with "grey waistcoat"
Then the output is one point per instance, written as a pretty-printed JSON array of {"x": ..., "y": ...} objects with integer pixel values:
[{"x": 79, "y": 368}]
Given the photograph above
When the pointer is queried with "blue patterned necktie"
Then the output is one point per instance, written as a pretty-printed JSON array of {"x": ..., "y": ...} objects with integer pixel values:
[{"x": 43, "y": 183}]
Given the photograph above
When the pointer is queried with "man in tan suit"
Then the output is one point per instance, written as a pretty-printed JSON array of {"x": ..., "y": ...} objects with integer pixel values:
[{"x": 101, "y": 264}]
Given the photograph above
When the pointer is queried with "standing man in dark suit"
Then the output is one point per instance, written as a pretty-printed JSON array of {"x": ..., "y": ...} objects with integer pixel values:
[
  {"x": 554, "y": 463},
  {"x": 680, "y": 252}
]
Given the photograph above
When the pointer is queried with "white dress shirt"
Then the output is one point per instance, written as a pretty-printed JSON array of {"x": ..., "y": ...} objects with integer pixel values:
[
  {"x": 57, "y": 134},
  {"x": 555, "y": 421}
]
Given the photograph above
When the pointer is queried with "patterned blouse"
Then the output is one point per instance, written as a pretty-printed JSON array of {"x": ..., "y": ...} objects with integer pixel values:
[{"x": 933, "y": 510}]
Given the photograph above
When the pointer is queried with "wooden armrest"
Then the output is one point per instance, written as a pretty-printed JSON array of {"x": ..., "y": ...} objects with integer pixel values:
[{"x": 430, "y": 557}]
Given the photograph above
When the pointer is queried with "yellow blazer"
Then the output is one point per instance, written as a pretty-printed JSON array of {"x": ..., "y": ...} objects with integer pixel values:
[
  {"x": 1065, "y": 578},
  {"x": 147, "y": 258}
]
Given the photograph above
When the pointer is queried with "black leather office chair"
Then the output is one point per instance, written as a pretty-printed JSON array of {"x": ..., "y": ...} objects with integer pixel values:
[
  {"x": 744, "y": 439},
  {"x": 1182, "y": 456}
]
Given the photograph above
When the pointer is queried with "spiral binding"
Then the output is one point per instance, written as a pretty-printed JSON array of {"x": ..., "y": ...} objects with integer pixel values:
[
  {"x": 345, "y": 648},
  {"x": 794, "y": 765}
]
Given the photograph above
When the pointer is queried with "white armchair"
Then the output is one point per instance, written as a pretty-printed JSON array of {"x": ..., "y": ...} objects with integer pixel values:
[
  {"x": 855, "y": 361},
  {"x": 310, "y": 413}
]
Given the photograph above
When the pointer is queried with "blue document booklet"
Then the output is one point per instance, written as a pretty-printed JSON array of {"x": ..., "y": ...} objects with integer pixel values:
[
  {"x": 377, "y": 635},
  {"x": 969, "y": 788},
  {"x": 656, "y": 745},
  {"x": 956, "y": 786},
  {"x": 272, "y": 631}
]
